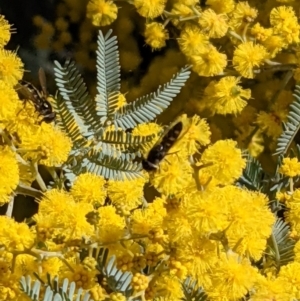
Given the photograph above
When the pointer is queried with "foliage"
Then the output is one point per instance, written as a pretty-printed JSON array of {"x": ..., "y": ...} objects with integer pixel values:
[
  {"x": 97, "y": 146},
  {"x": 209, "y": 221},
  {"x": 253, "y": 174},
  {"x": 192, "y": 291},
  {"x": 291, "y": 127},
  {"x": 53, "y": 290},
  {"x": 280, "y": 245}
]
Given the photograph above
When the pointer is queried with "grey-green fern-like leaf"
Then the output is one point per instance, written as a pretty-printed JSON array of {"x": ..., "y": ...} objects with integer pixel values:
[
  {"x": 67, "y": 120},
  {"x": 101, "y": 255},
  {"x": 125, "y": 141},
  {"x": 98, "y": 147},
  {"x": 193, "y": 292},
  {"x": 117, "y": 280},
  {"x": 54, "y": 292},
  {"x": 109, "y": 167},
  {"x": 120, "y": 281},
  {"x": 277, "y": 182},
  {"x": 280, "y": 247},
  {"x": 108, "y": 75},
  {"x": 291, "y": 127},
  {"x": 73, "y": 90},
  {"x": 280, "y": 181},
  {"x": 148, "y": 107},
  {"x": 252, "y": 174}
]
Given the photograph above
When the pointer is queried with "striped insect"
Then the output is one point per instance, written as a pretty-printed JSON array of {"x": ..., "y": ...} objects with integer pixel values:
[
  {"x": 28, "y": 91},
  {"x": 160, "y": 150}
]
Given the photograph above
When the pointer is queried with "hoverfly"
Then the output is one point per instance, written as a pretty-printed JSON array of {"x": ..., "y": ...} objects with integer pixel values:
[
  {"x": 38, "y": 98},
  {"x": 159, "y": 151}
]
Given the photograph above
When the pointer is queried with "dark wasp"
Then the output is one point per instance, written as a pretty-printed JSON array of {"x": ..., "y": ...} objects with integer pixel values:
[
  {"x": 159, "y": 151},
  {"x": 38, "y": 98}
]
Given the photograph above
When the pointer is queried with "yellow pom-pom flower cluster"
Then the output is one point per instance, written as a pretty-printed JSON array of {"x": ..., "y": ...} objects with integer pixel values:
[
  {"x": 188, "y": 219},
  {"x": 139, "y": 282},
  {"x": 101, "y": 12},
  {"x": 155, "y": 35},
  {"x": 89, "y": 188}
]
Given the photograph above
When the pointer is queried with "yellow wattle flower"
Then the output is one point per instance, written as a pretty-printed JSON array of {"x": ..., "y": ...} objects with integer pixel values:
[
  {"x": 101, "y": 12},
  {"x": 232, "y": 278},
  {"x": 89, "y": 188},
  {"x": 221, "y": 6},
  {"x": 10, "y": 104},
  {"x": 223, "y": 161},
  {"x": 249, "y": 56},
  {"x": 15, "y": 236},
  {"x": 209, "y": 62},
  {"x": 46, "y": 144},
  {"x": 226, "y": 96},
  {"x": 11, "y": 67},
  {"x": 290, "y": 167},
  {"x": 149, "y": 8},
  {"x": 111, "y": 226},
  {"x": 156, "y": 35},
  {"x": 127, "y": 194},
  {"x": 242, "y": 14},
  {"x": 5, "y": 31},
  {"x": 9, "y": 174},
  {"x": 192, "y": 39},
  {"x": 214, "y": 25}
]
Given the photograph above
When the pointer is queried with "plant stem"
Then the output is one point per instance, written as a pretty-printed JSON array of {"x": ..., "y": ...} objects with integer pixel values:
[
  {"x": 39, "y": 179},
  {"x": 244, "y": 36},
  {"x": 26, "y": 190},
  {"x": 291, "y": 182},
  {"x": 235, "y": 35},
  {"x": 10, "y": 206},
  {"x": 273, "y": 66}
]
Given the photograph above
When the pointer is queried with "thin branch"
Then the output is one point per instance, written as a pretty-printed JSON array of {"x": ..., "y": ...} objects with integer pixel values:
[
  {"x": 278, "y": 67},
  {"x": 26, "y": 190},
  {"x": 39, "y": 179},
  {"x": 235, "y": 35},
  {"x": 10, "y": 206}
]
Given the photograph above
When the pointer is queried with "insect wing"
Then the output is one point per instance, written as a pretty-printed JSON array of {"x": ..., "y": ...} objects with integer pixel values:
[
  {"x": 39, "y": 99},
  {"x": 27, "y": 91},
  {"x": 43, "y": 81}
]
